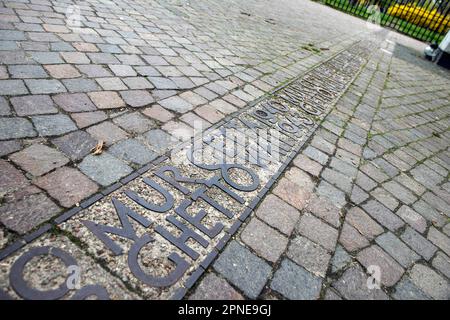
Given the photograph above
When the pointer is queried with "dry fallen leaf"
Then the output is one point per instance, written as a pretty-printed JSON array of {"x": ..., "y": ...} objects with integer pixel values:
[{"x": 98, "y": 149}]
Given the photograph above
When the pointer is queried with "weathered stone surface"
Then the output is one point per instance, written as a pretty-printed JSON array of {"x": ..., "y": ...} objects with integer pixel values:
[
  {"x": 209, "y": 113},
  {"x": 439, "y": 239},
  {"x": 106, "y": 99},
  {"x": 406, "y": 290},
  {"x": 53, "y": 125},
  {"x": 442, "y": 263},
  {"x": 195, "y": 121},
  {"x": 243, "y": 269},
  {"x": 134, "y": 122},
  {"x": 318, "y": 231},
  {"x": 62, "y": 71},
  {"x": 131, "y": 150},
  {"x": 104, "y": 169},
  {"x": 295, "y": 283},
  {"x": 179, "y": 130},
  {"x": 176, "y": 104},
  {"x": 5, "y": 110},
  {"x": 107, "y": 132},
  {"x": 341, "y": 181},
  {"x": 340, "y": 259},
  {"x": 38, "y": 159},
  {"x": 24, "y": 215},
  {"x": 137, "y": 98},
  {"x": 193, "y": 98},
  {"x": 159, "y": 140},
  {"x": 74, "y": 102},
  {"x": 11, "y": 179},
  {"x": 385, "y": 198},
  {"x": 75, "y": 145},
  {"x": 383, "y": 215},
  {"x": 27, "y": 71},
  {"x": 33, "y": 104},
  {"x": 14, "y": 87},
  {"x": 67, "y": 185},
  {"x": 324, "y": 209},
  {"x": 305, "y": 163},
  {"x": 351, "y": 239},
  {"x": 14, "y": 128},
  {"x": 363, "y": 223},
  {"x": 292, "y": 193},
  {"x": 264, "y": 240},
  {"x": 400, "y": 192},
  {"x": 316, "y": 155},
  {"x": 418, "y": 243},
  {"x": 391, "y": 271},
  {"x": 332, "y": 193},
  {"x": 412, "y": 218},
  {"x": 278, "y": 214},
  {"x": 430, "y": 282},
  {"x": 214, "y": 288},
  {"x": 43, "y": 86},
  {"x": 7, "y": 147},
  {"x": 158, "y": 113},
  {"x": 309, "y": 255},
  {"x": 397, "y": 249},
  {"x": 301, "y": 178},
  {"x": 86, "y": 119},
  {"x": 353, "y": 286}
]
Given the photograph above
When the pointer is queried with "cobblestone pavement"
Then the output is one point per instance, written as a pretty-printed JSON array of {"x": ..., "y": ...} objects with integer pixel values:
[{"x": 369, "y": 189}]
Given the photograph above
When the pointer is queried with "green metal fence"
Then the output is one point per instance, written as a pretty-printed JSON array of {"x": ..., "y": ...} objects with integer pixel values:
[{"x": 426, "y": 20}]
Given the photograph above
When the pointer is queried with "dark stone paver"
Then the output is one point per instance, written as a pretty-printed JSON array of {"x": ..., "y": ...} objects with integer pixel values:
[
  {"x": 7, "y": 147},
  {"x": 74, "y": 102},
  {"x": 243, "y": 269},
  {"x": 383, "y": 215},
  {"x": 419, "y": 243},
  {"x": 397, "y": 249},
  {"x": 294, "y": 282},
  {"x": 158, "y": 140},
  {"x": 340, "y": 259},
  {"x": 75, "y": 145},
  {"x": 13, "y": 128},
  {"x": 104, "y": 169},
  {"x": 134, "y": 123},
  {"x": 33, "y": 104},
  {"x": 53, "y": 125},
  {"x": 406, "y": 290},
  {"x": 131, "y": 150}
]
